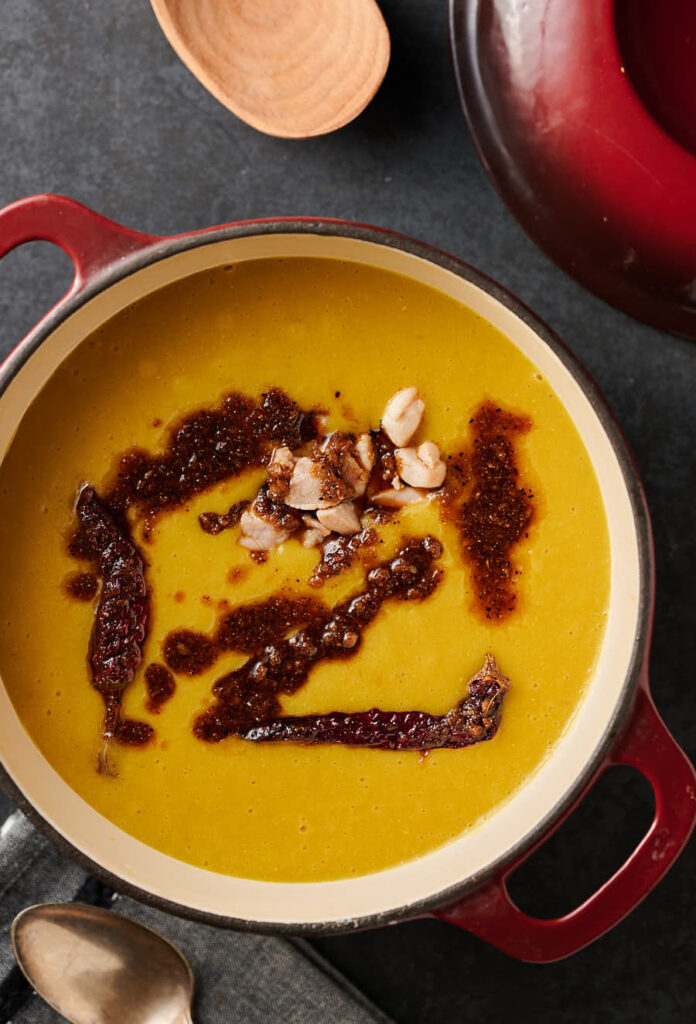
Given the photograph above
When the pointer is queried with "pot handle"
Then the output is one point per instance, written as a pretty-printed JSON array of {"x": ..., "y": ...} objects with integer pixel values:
[
  {"x": 648, "y": 746},
  {"x": 91, "y": 241}
]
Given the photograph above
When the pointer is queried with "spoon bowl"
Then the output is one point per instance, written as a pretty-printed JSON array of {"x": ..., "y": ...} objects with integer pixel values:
[
  {"x": 290, "y": 68},
  {"x": 94, "y": 966}
]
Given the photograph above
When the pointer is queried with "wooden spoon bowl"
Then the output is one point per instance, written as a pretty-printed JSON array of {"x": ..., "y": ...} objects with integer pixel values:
[{"x": 290, "y": 68}]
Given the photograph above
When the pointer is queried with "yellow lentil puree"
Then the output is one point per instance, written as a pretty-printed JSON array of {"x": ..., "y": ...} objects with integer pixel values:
[{"x": 283, "y": 811}]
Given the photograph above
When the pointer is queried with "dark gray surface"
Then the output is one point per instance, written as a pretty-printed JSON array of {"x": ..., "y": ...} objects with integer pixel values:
[
  {"x": 94, "y": 104},
  {"x": 290, "y": 983}
]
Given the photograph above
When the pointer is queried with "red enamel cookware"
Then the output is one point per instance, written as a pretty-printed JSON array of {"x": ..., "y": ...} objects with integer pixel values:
[
  {"x": 583, "y": 116},
  {"x": 463, "y": 882}
]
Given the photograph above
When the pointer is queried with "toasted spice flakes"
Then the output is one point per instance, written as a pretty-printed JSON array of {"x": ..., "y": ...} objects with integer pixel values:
[
  {"x": 160, "y": 686},
  {"x": 130, "y": 733},
  {"x": 497, "y": 512},
  {"x": 82, "y": 586},
  {"x": 215, "y": 522},
  {"x": 482, "y": 496},
  {"x": 251, "y": 627},
  {"x": 249, "y": 695},
  {"x": 331, "y": 459},
  {"x": 189, "y": 653},
  {"x": 207, "y": 447},
  {"x": 281, "y": 516},
  {"x": 339, "y": 553},
  {"x": 248, "y": 628}
]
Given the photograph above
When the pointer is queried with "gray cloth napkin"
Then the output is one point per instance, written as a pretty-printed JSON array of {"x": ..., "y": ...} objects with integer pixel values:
[{"x": 240, "y": 978}]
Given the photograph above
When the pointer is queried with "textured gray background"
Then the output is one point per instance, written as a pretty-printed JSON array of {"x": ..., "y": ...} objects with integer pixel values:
[{"x": 93, "y": 103}]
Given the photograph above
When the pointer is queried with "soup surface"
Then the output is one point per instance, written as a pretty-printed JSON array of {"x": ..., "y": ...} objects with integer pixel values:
[{"x": 341, "y": 338}]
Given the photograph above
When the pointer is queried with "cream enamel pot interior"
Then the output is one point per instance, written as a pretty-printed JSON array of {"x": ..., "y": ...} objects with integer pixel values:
[{"x": 616, "y": 721}]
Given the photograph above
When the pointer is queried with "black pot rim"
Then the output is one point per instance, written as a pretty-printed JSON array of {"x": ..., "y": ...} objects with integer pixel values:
[{"x": 167, "y": 247}]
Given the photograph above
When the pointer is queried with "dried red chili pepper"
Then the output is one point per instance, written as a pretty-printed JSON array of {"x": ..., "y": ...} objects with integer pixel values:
[
  {"x": 120, "y": 623},
  {"x": 248, "y": 696},
  {"x": 472, "y": 720}
]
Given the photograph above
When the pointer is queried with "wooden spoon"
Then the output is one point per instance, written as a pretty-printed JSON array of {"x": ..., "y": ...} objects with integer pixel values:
[{"x": 291, "y": 68}]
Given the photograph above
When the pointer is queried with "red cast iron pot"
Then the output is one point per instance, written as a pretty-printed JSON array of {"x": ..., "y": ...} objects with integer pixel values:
[{"x": 464, "y": 882}]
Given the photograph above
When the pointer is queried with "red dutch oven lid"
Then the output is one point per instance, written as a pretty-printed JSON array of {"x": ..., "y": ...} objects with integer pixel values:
[{"x": 583, "y": 115}]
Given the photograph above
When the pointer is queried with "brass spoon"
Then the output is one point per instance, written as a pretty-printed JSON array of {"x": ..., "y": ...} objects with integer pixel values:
[
  {"x": 96, "y": 967},
  {"x": 291, "y": 68}
]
